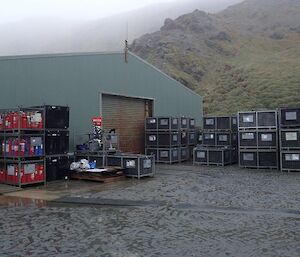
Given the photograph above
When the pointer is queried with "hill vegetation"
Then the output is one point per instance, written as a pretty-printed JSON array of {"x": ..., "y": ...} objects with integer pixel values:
[{"x": 245, "y": 57}]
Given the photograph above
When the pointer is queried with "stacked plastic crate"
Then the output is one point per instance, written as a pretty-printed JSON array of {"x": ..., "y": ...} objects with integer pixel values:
[
  {"x": 217, "y": 141},
  {"x": 22, "y": 146},
  {"x": 57, "y": 141},
  {"x": 290, "y": 139},
  {"x": 258, "y": 139},
  {"x": 169, "y": 138}
]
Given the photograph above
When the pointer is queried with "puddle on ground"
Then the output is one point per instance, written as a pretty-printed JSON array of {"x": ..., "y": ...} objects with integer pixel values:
[{"x": 21, "y": 202}]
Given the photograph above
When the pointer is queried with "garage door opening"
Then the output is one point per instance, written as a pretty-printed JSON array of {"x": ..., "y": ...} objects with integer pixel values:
[{"x": 127, "y": 115}]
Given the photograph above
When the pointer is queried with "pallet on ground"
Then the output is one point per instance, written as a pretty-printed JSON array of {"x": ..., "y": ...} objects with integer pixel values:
[{"x": 99, "y": 177}]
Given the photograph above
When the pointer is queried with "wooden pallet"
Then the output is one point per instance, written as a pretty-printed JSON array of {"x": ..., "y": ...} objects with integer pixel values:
[{"x": 99, "y": 177}]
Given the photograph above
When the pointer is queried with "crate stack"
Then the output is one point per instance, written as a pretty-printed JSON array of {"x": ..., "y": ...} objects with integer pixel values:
[
  {"x": 22, "y": 146},
  {"x": 289, "y": 130},
  {"x": 56, "y": 141},
  {"x": 169, "y": 139},
  {"x": 258, "y": 139},
  {"x": 217, "y": 143}
]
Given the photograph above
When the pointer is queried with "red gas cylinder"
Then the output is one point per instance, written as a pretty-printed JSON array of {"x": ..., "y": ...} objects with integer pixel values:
[
  {"x": 24, "y": 120},
  {"x": 8, "y": 121},
  {"x": 22, "y": 147},
  {"x": 1, "y": 121},
  {"x": 15, "y": 120},
  {"x": 41, "y": 173}
]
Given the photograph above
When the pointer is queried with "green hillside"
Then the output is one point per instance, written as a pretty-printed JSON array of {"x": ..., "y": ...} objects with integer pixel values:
[{"x": 242, "y": 58}]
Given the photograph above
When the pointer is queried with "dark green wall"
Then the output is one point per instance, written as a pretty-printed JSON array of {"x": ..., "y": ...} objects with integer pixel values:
[{"x": 77, "y": 80}]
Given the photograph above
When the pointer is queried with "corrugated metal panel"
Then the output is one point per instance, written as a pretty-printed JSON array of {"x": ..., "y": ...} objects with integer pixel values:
[
  {"x": 77, "y": 81},
  {"x": 127, "y": 116}
]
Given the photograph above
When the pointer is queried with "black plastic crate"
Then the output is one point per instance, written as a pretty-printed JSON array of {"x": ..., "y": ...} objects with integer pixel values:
[
  {"x": 192, "y": 124},
  {"x": 248, "y": 139},
  {"x": 261, "y": 159},
  {"x": 268, "y": 159},
  {"x": 200, "y": 156},
  {"x": 184, "y": 138},
  {"x": 192, "y": 138},
  {"x": 248, "y": 159},
  {"x": 290, "y": 117},
  {"x": 199, "y": 138},
  {"x": 209, "y": 123},
  {"x": 227, "y": 123},
  {"x": 57, "y": 117},
  {"x": 226, "y": 139},
  {"x": 290, "y": 138},
  {"x": 209, "y": 139},
  {"x": 267, "y": 119},
  {"x": 234, "y": 123},
  {"x": 138, "y": 165},
  {"x": 184, "y": 154},
  {"x": 57, "y": 168},
  {"x": 151, "y": 139},
  {"x": 213, "y": 156},
  {"x": 267, "y": 139},
  {"x": 168, "y": 123},
  {"x": 151, "y": 123},
  {"x": 152, "y": 151},
  {"x": 191, "y": 152},
  {"x": 168, "y": 139},
  {"x": 219, "y": 156},
  {"x": 114, "y": 161},
  {"x": 247, "y": 120},
  {"x": 290, "y": 160},
  {"x": 56, "y": 142},
  {"x": 168, "y": 155}
]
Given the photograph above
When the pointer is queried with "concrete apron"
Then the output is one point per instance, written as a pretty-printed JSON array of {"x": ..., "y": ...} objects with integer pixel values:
[{"x": 58, "y": 191}]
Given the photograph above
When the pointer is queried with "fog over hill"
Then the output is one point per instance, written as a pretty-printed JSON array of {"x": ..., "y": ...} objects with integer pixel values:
[{"x": 53, "y": 35}]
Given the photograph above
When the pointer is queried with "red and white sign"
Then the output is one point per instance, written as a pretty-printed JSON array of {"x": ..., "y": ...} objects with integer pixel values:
[{"x": 97, "y": 121}]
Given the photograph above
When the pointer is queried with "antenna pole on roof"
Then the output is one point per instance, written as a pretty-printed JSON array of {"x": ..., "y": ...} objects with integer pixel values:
[
  {"x": 126, "y": 51},
  {"x": 126, "y": 44}
]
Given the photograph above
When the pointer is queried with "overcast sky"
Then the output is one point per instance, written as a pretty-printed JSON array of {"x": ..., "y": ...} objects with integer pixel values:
[{"x": 14, "y": 10}]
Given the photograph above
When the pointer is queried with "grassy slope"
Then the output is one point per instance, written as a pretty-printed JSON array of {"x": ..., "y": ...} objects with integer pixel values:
[{"x": 264, "y": 73}]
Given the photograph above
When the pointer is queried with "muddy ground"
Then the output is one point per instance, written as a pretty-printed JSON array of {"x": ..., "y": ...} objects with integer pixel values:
[{"x": 183, "y": 211}]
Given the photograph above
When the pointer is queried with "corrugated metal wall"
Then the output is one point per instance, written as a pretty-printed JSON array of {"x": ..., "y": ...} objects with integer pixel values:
[
  {"x": 78, "y": 80},
  {"x": 127, "y": 116}
]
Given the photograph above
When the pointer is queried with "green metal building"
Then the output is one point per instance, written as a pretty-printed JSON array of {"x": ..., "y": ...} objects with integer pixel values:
[{"x": 94, "y": 84}]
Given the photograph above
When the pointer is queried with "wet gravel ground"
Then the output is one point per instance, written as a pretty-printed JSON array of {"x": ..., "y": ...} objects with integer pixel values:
[{"x": 196, "y": 211}]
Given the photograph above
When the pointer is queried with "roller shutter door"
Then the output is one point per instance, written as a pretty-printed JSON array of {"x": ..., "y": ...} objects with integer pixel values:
[{"x": 127, "y": 116}]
